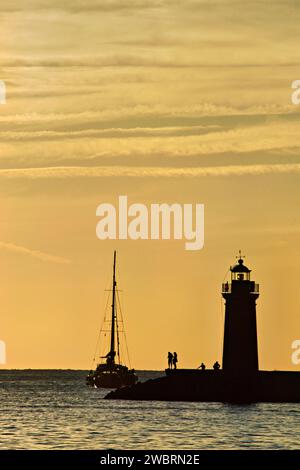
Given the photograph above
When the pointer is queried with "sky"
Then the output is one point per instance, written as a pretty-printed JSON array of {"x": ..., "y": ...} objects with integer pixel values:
[{"x": 163, "y": 101}]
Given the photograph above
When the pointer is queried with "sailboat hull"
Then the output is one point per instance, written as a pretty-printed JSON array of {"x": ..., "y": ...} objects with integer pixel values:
[{"x": 112, "y": 377}]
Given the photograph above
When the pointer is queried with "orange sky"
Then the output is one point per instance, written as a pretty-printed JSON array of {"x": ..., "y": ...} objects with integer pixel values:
[{"x": 106, "y": 99}]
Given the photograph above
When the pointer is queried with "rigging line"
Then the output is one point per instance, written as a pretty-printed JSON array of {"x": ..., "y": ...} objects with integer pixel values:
[
  {"x": 120, "y": 349},
  {"x": 107, "y": 284},
  {"x": 118, "y": 341},
  {"x": 102, "y": 328},
  {"x": 107, "y": 321},
  {"x": 94, "y": 358},
  {"x": 98, "y": 340},
  {"x": 121, "y": 314},
  {"x": 105, "y": 313},
  {"x": 123, "y": 353},
  {"x": 105, "y": 308},
  {"x": 98, "y": 344},
  {"x": 118, "y": 273},
  {"x": 96, "y": 349}
]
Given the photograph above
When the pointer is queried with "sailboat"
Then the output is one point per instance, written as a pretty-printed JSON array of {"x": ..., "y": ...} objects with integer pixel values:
[{"x": 111, "y": 373}]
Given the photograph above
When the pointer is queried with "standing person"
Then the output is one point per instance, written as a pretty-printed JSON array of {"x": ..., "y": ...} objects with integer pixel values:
[
  {"x": 170, "y": 360},
  {"x": 175, "y": 360}
]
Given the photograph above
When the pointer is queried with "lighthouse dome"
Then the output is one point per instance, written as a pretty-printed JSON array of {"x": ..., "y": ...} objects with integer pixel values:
[
  {"x": 240, "y": 267},
  {"x": 240, "y": 272}
]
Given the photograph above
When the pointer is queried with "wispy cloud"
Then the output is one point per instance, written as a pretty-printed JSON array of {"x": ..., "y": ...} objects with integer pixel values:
[
  {"x": 93, "y": 151},
  {"x": 107, "y": 133},
  {"x": 138, "y": 172},
  {"x": 154, "y": 110},
  {"x": 81, "y": 6},
  {"x": 135, "y": 60},
  {"x": 34, "y": 253}
]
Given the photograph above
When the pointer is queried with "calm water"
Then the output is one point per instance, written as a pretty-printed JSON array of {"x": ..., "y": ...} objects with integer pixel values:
[{"x": 55, "y": 410}]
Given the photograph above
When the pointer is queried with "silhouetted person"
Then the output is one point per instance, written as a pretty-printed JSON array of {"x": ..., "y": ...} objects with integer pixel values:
[
  {"x": 202, "y": 366},
  {"x": 110, "y": 358},
  {"x": 216, "y": 366},
  {"x": 175, "y": 360},
  {"x": 170, "y": 360}
]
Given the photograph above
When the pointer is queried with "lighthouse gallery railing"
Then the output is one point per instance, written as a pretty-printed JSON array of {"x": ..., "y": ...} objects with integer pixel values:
[{"x": 227, "y": 286}]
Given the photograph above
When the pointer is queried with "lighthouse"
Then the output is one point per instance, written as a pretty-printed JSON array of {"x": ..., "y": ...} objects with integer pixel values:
[
  {"x": 240, "y": 354},
  {"x": 239, "y": 381}
]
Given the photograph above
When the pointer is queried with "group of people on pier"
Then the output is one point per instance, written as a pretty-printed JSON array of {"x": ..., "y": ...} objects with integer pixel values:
[
  {"x": 173, "y": 359},
  {"x": 216, "y": 366}
]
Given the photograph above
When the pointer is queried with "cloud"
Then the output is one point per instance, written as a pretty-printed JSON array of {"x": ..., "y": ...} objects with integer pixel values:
[
  {"x": 34, "y": 253},
  {"x": 137, "y": 60},
  {"x": 139, "y": 172},
  {"x": 81, "y": 6},
  {"x": 107, "y": 133},
  {"x": 271, "y": 136},
  {"x": 156, "y": 110}
]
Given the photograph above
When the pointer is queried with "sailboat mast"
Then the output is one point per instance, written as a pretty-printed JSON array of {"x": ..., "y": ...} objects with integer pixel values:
[{"x": 113, "y": 311}]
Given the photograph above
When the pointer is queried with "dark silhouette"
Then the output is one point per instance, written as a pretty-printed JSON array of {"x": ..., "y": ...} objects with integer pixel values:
[
  {"x": 175, "y": 360},
  {"x": 239, "y": 380},
  {"x": 110, "y": 358},
  {"x": 170, "y": 360},
  {"x": 112, "y": 374},
  {"x": 240, "y": 336},
  {"x": 202, "y": 366}
]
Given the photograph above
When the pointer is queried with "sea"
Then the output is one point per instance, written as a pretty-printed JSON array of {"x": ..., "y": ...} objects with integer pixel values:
[{"x": 54, "y": 409}]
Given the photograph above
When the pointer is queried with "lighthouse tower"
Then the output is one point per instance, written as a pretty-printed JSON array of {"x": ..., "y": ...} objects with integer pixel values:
[{"x": 240, "y": 355}]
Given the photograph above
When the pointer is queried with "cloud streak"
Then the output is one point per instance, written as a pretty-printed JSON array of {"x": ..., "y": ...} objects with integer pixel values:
[
  {"x": 11, "y": 247},
  {"x": 142, "y": 172},
  {"x": 82, "y": 6},
  {"x": 135, "y": 60},
  {"x": 107, "y": 133},
  {"x": 142, "y": 111},
  {"x": 134, "y": 150}
]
